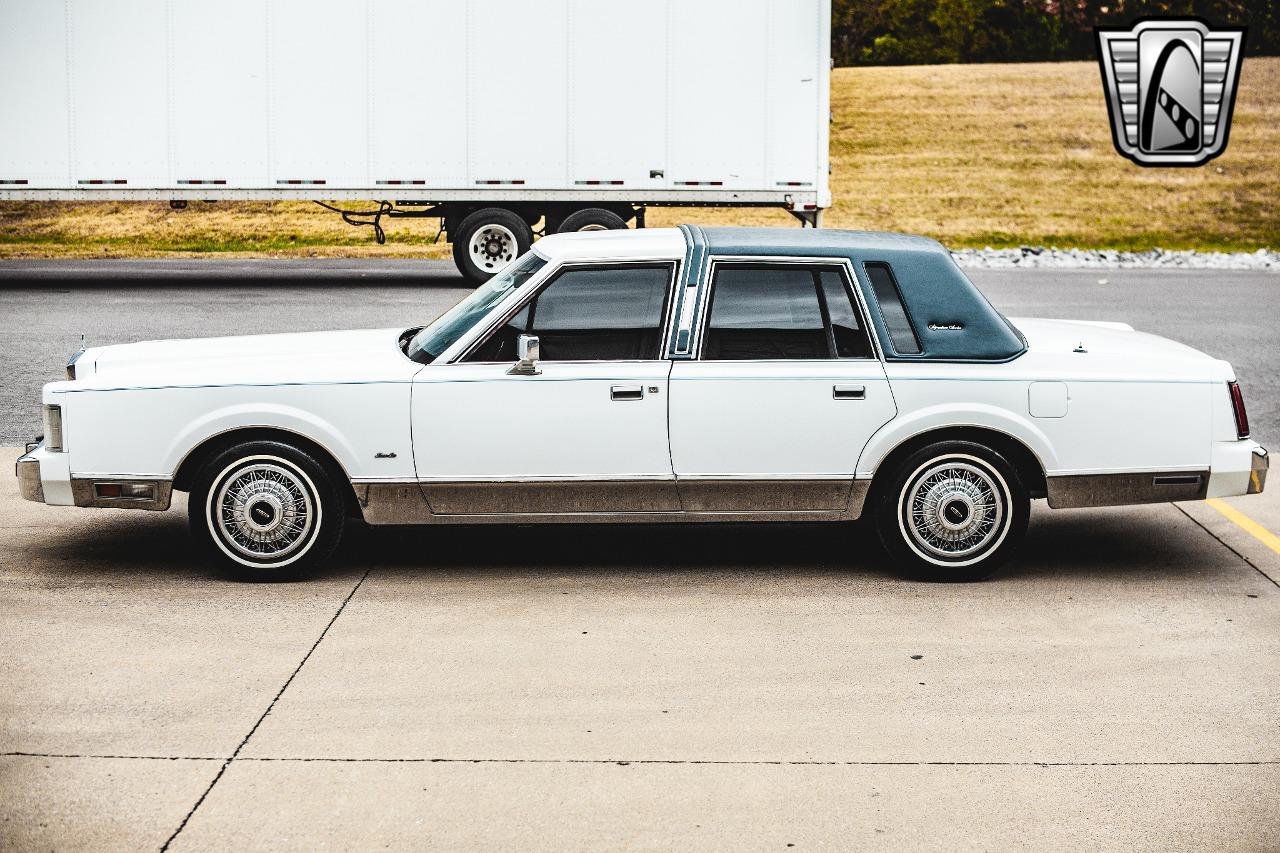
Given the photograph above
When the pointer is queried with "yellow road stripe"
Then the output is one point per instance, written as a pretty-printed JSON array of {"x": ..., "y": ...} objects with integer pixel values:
[{"x": 1247, "y": 524}]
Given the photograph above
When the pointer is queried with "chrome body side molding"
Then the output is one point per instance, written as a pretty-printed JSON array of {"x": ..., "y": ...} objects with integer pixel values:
[
  {"x": 563, "y": 496},
  {"x": 610, "y": 501},
  {"x": 780, "y": 495},
  {"x": 1083, "y": 490}
]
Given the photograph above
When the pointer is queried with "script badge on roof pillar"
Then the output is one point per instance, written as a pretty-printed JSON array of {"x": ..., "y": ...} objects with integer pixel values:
[{"x": 1170, "y": 84}]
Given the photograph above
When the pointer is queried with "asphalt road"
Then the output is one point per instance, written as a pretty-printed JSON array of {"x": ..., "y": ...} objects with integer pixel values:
[
  {"x": 708, "y": 687},
  {"x": 45, "y": 308}
]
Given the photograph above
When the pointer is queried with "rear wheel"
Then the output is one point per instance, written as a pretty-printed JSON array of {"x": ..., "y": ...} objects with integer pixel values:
[
  {"x": 592, "y": 219},
  {"x": 487, "y": 240},
  {"x": 266, "y": 510},
  {"x": 952, "y": 511}
]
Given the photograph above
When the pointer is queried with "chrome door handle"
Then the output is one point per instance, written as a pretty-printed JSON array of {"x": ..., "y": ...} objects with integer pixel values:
[
  {"x": 849, "y": 392},
  {"x": 627, "y": 392}
]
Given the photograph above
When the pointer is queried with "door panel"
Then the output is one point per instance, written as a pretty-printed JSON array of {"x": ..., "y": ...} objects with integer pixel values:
[
  {"x": 761, "y": 436},
  {"x": 785, "y": 393},
  {"x": 578, "y": 437}
]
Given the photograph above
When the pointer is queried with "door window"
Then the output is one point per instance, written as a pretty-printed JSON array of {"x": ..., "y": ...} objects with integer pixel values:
[
  {"x": 612, "y": 313},
  {"x": 783, "y": 311}
]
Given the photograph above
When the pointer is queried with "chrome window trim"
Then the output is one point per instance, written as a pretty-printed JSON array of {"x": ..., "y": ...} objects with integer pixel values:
[
  {"x": 690, "y": 294},
  {"x": 851, "y": 281},
  {"x": 472, "y": 341}
]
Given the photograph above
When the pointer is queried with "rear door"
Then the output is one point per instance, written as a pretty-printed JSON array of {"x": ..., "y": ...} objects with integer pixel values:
[{"x": 784, "y": 393}]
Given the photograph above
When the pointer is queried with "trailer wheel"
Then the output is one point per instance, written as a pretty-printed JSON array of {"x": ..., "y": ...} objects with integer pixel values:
[
  {"x": 592, "y": 219},
  {"x": 488, "y": 240}
]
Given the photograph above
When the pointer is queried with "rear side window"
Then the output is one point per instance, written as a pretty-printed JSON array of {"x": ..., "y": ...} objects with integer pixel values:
[
  {"x": 784, "y": 311},
  {"x": 850, "y": 339},
  {"x": 894, "y": 312}
]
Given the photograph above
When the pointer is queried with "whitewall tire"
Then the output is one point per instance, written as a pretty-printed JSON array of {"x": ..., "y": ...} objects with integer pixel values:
[
  {"x": 952, "y": 511},
  {"x": 266, "y": 510}
]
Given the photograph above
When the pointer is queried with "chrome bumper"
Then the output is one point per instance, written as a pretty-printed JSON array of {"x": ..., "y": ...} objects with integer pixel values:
[
  {"x": 1258, "y": 471},
  {"x": 82, "y": 491},
  {"x": 28, "y": 472}
]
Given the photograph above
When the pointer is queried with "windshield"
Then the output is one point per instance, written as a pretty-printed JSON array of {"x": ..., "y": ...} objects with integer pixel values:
[{"x": 427, "y": 345}]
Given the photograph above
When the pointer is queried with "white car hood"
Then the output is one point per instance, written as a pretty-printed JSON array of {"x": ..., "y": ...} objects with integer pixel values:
[{"x": 342, "y": 356}]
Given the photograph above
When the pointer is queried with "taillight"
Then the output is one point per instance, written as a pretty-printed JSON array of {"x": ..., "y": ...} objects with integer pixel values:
[{"x": 1237, "y": 405}]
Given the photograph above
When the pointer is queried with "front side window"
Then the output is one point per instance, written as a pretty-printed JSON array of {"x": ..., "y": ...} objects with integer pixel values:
[
  {"x": 784, "y": 311},
  {"x": 604, "y": 313},
  {"x": 427, "y": 345}
]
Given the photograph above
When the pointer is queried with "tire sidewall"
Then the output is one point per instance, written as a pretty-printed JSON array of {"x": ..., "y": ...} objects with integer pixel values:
[
  {"x": 472, "y": 223},
  {"x": 579, "y": 220},
  {"x": 311, "y": 475},
  {"x": 890, "y": 508}
]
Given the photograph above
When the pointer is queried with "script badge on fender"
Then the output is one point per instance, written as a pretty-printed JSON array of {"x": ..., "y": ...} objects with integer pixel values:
[{"x": 1171, "y": 85}]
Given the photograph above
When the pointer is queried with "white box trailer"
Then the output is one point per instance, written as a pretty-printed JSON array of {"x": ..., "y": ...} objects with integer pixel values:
[{"x": 493, "y": 115}]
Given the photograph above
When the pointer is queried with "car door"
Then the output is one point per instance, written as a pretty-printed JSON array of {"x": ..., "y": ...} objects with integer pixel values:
[
  {"x": 586, "y": 434},
  {"x": 784, "y": 391}
]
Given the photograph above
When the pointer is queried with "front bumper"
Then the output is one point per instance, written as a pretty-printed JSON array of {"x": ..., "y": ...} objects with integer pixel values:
[
  {"x": 28, "y": 471},
  {"x": 45, "y": 477}
]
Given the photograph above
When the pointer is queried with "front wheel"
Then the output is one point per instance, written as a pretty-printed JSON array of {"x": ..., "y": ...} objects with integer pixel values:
[
  {"x": 266, "y": 510},
  {"x": 952, "y": 511}
]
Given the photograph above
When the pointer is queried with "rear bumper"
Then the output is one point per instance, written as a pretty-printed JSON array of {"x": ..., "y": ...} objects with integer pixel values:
[
  {"x": 1238, "y": 468},
  {"x": 1258, "y": 475}
]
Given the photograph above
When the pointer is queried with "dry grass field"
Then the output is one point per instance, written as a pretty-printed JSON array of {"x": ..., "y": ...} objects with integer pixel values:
[{"x": 974, "y": 155}]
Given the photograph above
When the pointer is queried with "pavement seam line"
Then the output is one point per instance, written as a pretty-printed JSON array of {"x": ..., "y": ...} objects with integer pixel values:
[
  {"x": 227, "y": 763},
  {"x": 1247, "y": 524},
  {"x": 748, "y": 762},
  {"x": 99, "y": 755},
  {"x": 1228, "y": 546}
]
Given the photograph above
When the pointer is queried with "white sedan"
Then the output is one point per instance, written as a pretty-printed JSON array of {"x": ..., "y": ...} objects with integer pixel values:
[{"x": 659, "y": 375}]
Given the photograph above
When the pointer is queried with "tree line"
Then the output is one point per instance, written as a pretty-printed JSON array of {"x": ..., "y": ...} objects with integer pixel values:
[{"x": 902, "y": 32}]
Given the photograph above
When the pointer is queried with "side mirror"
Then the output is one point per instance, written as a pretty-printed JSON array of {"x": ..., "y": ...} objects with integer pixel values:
[{"x": 527, "y": 350}]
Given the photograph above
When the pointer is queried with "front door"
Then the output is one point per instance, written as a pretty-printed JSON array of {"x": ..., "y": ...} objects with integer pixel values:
[
  {"x": 784, "y": 394},
  {"x": 587, "y": 434}
]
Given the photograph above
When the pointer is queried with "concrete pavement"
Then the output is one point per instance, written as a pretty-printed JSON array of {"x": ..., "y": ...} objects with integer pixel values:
[{"x": 637, "y": 688}]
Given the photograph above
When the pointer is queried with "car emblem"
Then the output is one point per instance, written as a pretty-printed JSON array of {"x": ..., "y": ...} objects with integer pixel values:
[{"x": 1171, "y": 85}]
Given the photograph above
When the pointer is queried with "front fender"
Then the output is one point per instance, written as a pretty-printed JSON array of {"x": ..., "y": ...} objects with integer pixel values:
[
  {"x": 920, "y": 421},
  {"x": 264, "y": 415}
]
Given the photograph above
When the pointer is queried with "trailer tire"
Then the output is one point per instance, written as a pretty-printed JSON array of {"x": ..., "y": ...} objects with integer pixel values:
[
  {"x": 592, "y": 219},
  {"x": 487, "y": 240}
]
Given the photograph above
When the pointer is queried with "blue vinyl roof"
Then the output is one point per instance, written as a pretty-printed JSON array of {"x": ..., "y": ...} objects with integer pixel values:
[{"x": 952, "y": 319}]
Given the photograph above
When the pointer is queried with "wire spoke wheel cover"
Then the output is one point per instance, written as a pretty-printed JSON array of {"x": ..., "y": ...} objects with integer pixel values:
[
  {"x": 954, "y": 510},
  {"x": 263, "y": 511},
  {"x": 493, "y": 246}
]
